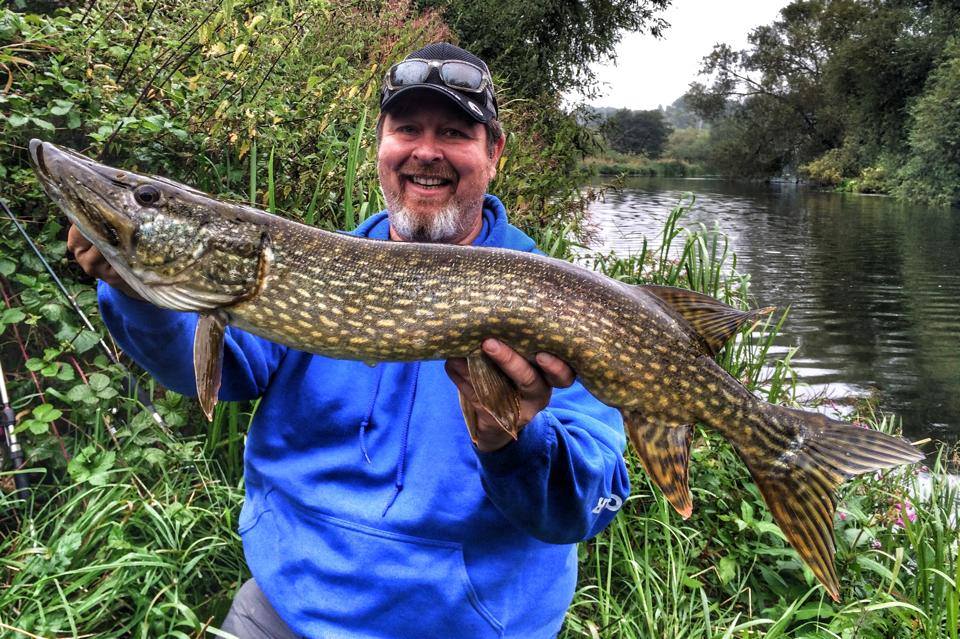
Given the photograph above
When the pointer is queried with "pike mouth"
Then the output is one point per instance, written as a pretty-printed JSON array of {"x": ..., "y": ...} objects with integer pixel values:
[
  {"x": 66, "y": 177},
  {"x": 36, "y": 157}
]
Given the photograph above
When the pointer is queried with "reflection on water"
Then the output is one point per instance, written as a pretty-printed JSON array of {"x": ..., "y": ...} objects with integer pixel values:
[{"x": 873, "y": 285}]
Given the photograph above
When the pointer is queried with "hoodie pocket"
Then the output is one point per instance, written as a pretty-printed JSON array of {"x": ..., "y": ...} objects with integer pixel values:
[{"x": 342, "y": 577}]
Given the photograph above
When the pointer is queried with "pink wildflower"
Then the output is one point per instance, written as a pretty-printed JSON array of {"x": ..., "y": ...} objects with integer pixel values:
[
  {"x": 876, "y": 545},
  {"x": 842, "y": 515},
  {"x": 904, "y": 508}
]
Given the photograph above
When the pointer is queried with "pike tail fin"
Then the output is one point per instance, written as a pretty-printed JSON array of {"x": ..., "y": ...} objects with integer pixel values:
[{"x": 798, "y": 459}]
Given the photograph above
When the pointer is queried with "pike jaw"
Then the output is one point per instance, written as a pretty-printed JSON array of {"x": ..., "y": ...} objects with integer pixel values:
[{"x": 175, "y": 246}]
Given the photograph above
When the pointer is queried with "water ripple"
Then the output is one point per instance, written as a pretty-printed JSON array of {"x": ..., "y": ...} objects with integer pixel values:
[{"x": 873, "y": 285}]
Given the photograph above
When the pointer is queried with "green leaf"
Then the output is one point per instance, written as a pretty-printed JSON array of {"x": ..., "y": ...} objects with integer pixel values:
[
  {"x": 35, "y": 363},
  {"x": 80, "y": 393},
  {"x": 61, "y": 107},
  {"x": 99, "y": 381},
  {"x": 727, "y": 569},
  {"x": 153, "y": 456},
  {"x": 15, "y": 119},
  {"x": 7, "y": 267},
  {"x": 869, "y": 564},
  {"x": 12, "y": 316},
  {"x": 35, "y": 426},
  {"x": 51, "y": 311},
  {"x": 92, "y": 466},
  {"x": 46, "y": 413},
  {"x": 107, "y": 393},
  {"x": 50, "y": 370},
  {"x": 769, "y": 527},
  {"x": 85, "y": 341},
  {"x": 43, "y": 124}
]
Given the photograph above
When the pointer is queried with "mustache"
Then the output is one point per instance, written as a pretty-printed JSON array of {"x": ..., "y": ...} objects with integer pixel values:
[{"x": 442, "y": 171}]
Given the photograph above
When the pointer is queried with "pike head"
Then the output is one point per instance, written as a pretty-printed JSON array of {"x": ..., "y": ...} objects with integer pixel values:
[{"x": 177, "y": 247}]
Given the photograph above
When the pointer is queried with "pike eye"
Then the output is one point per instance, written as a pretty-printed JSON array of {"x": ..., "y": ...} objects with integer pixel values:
[{"x": 146, "y": 195}]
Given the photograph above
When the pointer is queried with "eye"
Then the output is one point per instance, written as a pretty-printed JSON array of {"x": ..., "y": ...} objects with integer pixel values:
[{"x": 146, "y": 194}]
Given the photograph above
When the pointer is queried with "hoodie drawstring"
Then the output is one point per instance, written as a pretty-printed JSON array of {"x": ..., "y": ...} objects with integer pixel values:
[
  {"x": 366, "y": 420},
  {"x": 401, "y": 462}
]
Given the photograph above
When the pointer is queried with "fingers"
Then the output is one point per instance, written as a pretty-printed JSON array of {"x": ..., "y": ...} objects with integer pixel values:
[
  {"x": 556, "y": 371},
  {"x": 87, "y": 255},
  {"x": 93, "y": 263},
  {"x": 523, "y": 374}
]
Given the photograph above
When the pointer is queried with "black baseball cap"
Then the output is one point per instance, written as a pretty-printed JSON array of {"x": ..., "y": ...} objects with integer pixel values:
[{"x": 480, "y": 105}]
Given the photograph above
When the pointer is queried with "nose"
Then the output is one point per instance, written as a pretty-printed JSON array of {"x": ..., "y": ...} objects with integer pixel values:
[{"x": 427, "y": 149}]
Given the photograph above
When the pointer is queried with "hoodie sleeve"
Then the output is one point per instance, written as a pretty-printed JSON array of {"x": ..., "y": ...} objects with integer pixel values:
[
  {"x": 564, "y": 478},
  {"x": 161, "y": 341}
]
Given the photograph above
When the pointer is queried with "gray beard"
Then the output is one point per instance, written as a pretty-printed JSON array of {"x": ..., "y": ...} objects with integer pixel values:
[{"x": 444, "y": 226}]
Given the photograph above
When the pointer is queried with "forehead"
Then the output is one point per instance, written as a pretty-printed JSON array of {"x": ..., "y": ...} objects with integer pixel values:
[{"x": 429, "y": 106}]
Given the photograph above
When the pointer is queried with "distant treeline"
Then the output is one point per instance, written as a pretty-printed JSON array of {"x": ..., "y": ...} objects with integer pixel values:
[
  {"x": 669, "y": 141},
  {"x": 860, "y": 94}
]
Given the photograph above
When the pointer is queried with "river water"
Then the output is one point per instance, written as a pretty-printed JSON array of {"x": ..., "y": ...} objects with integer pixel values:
[{"x": 873, "y": 284}]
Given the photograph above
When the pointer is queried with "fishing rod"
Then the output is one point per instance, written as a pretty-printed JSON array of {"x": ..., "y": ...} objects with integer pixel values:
[
  {"x": 8, "y": 421},
  {"x": 130, "y": 381}
]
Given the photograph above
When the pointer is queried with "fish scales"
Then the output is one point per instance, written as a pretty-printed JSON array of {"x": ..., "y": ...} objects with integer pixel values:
[
  {"x": 494, "y": 298},
  {"x": 646, "y": 350}
]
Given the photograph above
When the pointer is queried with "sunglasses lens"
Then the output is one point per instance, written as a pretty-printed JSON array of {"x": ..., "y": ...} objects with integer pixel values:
[
  {"x": 409, "y": 72},
  {"x": 461, "y": 76}
]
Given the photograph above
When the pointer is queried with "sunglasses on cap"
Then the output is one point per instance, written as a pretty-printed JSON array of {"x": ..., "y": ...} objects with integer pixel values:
[{"x": 455, "y": 74}]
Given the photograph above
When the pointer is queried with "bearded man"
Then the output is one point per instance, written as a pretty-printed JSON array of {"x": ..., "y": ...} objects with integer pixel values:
[{"x": 370, "y": 512}]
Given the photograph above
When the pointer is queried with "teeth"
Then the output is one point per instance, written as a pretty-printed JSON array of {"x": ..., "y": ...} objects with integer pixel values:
[{"x": 426, "y": 181}]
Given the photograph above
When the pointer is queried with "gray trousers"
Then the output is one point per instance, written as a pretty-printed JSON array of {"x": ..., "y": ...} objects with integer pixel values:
[{"x": 252, "y": 617}]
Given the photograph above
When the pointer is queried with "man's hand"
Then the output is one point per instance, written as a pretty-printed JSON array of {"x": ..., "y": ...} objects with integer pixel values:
[
  {"x": 535, "y": 385},
  {"x": 93, "y": 263}
]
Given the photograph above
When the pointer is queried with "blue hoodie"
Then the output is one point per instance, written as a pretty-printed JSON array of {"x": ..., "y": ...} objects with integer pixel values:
[{"x": 369, "y": 513}]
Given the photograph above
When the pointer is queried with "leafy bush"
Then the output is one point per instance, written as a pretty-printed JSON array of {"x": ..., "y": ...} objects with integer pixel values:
[
  {"x": 932, "y": 170},
  {"x": 131, "y": 530},
  {"x": 690, "y": 145}
]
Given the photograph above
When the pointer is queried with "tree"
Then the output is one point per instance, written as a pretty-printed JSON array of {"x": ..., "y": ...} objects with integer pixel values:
[
  {"x": 547, "y": 45},
  {"x": 932, "y": 170},
  {"x": 828, "y": 85},
  {"x": 641, "y": 132},
  {"x": 776, "y": 85}
]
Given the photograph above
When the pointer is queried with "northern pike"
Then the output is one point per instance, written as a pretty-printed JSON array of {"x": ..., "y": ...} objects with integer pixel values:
[{"x": 646, "y": 350}]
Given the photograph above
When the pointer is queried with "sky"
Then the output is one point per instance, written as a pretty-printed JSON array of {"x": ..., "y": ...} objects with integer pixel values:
[{"x": 649, "y": 72}]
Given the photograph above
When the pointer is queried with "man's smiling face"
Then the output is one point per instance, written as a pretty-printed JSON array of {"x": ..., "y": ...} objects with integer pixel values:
[{"x": 434, "y": 169}]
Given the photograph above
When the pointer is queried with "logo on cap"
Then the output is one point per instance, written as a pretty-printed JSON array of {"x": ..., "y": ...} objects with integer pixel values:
[{"x": 475, "y": 108}]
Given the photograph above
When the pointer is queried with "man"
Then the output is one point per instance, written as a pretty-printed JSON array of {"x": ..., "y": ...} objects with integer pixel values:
[{"x": 369, "y": 511}]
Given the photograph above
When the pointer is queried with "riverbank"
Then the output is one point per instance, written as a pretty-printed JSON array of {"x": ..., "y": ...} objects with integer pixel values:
[{"x": 612, "y": 163}]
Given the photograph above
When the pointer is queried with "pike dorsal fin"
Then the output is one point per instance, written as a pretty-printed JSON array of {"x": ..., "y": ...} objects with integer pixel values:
[
  {"x": 208, "y": 359},
  {"x": 664, "y": 451},
  {"x": 714, "y": 321}
]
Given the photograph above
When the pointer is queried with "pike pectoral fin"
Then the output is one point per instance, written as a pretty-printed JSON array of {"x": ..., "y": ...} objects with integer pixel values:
[
  {"x": 664, "y": 451},
  {"x": 208, "y": 359},
  {"x": 798, "y": 482},
  {"x": 470, "y": 417},
  {"x": 713, "y": 320},
  {"x": 496, "y": 393}
]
